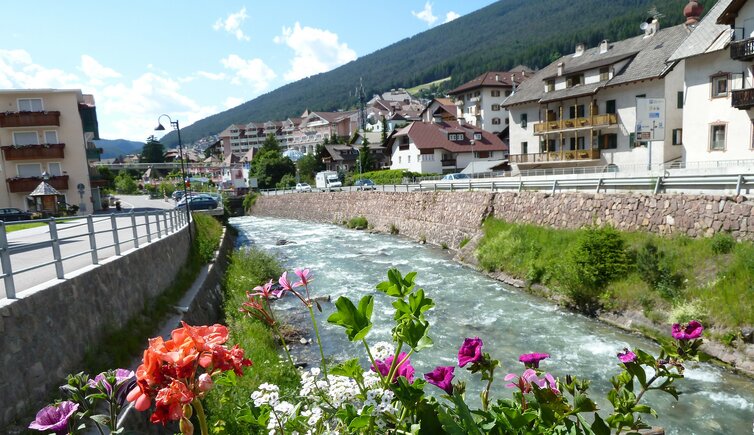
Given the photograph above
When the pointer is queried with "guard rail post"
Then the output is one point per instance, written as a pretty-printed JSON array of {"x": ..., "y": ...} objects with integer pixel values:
[
  {"x": 134, "y": 229},
  {"x": 55, "y": 243},
  {"x": 157, "y": 216},
  {"x": 10, "y": 286},
  {"x": 146, "y": 224},
  {"x": 554, "y": 186},
  {"x": 172, "y": 222},
  {"x": 658, "y": 183},
  {"x": 116, "y": 240},
  {"x": 599, "y": 186},
  {"x": 92, "y": 238},
  {"x": 739, "y": 183}
]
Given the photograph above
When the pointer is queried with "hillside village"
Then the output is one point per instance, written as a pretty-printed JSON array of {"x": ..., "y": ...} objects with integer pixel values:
[{"x": 668, "y": 98}]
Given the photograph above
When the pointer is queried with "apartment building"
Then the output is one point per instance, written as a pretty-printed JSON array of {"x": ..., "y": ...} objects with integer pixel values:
[{"x": 47, "y": 132}]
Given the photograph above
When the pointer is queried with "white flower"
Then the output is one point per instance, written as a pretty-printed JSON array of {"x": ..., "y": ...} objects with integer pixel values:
[
  {"x": 266, "y": 394},
  {"x": 382, "y": 349}
]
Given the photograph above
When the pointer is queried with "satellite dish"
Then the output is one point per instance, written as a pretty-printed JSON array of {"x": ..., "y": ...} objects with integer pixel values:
[
  {"x": 371, "y": 119},
  {"x": 644, "y": 26}
]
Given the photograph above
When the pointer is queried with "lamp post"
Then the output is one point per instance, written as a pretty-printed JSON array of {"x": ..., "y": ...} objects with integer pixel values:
[
  {"x": 472, "y": 158},
  {"x": 177, "y": 128}
]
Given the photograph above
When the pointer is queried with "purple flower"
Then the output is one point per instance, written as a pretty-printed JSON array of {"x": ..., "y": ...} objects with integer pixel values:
[
  {"x": 404, "y": 369},
  {"x": 626, "y": 356},
  {"x": 121, "y": 376},
  {"x": 470, "y": 351},
  {"x": 690, "y": 331},
  {"x": 54, "y": 418},
  {"x": 530, "y": 378},
  {"x": 531, "y": 360},
  {"x": 441, "y": 377}
]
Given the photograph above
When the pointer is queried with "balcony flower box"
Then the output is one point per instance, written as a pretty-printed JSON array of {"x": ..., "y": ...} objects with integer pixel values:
[
  {"x": 28, "y": 184},
  {"x": 35, "y": 151},
  {"x": 29, "y": 119}
]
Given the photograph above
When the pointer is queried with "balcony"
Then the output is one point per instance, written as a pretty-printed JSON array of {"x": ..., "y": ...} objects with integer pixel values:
[
  {"x": 742, "y": 50},
  {"x": 742, "y": 99},
  {"x": 605, "y": 120},
  {"x": 448, "y": 163},
  {"x": 94, "y": 153},
  {"x": 29, "y": 119},
  {"x": 33, "y": 152},
  {"x": 555, "y": 156},
  {"x": 27, "y": 184}
]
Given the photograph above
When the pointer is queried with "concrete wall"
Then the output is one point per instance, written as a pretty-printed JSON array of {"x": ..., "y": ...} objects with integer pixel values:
[
  {"x": 44, "y": 334},
  {"x": 449, "y": 217}
]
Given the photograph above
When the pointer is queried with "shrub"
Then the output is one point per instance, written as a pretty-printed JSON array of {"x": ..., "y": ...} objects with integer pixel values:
[
  {"x": 208, "y": 233},
  {"x": 687, "y": 311},
  {"x": 249, "y": 200},
  {"x": 358, "y": 223},
  {"x": 656, "y": 270},
  {"x": 444, "y": 245},
  {"x": 463, "y": 242},
  {"x": 394, "y": 229},
  {"x": 723, "y": 243}
]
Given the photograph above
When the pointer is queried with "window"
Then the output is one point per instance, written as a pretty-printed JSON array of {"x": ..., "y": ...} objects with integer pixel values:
[
  {"x": 54, "y": 169},
  {"x": 574, "y": 80},
  {"x": 610, "y": 106},
  {"x": 677, "y": 136},
  {"x": 455, "y": 137},
  {"x": 524, "y": 120},
  {"x": 399, "y": 159},
  {"x": 679, "y": 102},
  {"x": 51, "y": 136},
  {"x": 29, "y": 170},
  {"x": 481, "y": 154},
  {"x": 717, "y": 137},
  {"x": 720, "y": 86},
  {"x": 576, "y": 111},
  {"x": 608, "y": 141},
  {"x": 495, "y": 121},
  {"x": 632, "y": 141},
  {"x": 524, "y": 147},
  {"x": 604, "y": 73},
  {"x": 495, "y": 107},
  {"x": 641, "y": 96},
  {"x": 30, "y": 105},
  {"x": 408, "y": 159},
  {"x": 25, "y": 138},
  {"x": 550, "y": 86},
  {"x": 495, "y": 93},
  {"x": 507, "y": 93},
  {"x": 477, "y": 136}
]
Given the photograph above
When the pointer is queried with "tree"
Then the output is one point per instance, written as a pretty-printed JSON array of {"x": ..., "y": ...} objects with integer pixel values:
[
  {"x": 384, "y": 130},
  {"x": 125, "y": 184},
  {"x": 269, "y": 166},
  {"x": 365, "y": 157},
  {"x": 309, "y": 165},
  {"x": 152, "y": 152}
]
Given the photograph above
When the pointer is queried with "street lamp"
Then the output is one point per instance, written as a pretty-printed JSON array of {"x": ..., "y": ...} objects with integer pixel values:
[{"x": 177, "y": 128}]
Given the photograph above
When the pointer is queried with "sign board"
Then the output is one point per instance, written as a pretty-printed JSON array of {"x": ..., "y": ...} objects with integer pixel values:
[{"x": 650, "y": 119}]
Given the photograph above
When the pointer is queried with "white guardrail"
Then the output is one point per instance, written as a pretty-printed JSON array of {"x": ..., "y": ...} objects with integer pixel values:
[
  {"x": 70, "y": 240},
  {"x": 655, "y": 184}
]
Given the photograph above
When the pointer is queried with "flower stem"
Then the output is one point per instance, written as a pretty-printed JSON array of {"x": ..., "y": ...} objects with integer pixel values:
[
  {"x": 486, "y": 392},
  {"x": 371, "y": 358},
  {"x": 200, "y": 416},
  {"x": 319, "y": 342},
  {"x": 277, "y": 331}
]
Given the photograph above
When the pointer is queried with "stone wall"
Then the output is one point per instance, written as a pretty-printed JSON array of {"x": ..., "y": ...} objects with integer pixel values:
[
  {"x": 449, "y": 217},
  {"x": 45, "y": 333}
]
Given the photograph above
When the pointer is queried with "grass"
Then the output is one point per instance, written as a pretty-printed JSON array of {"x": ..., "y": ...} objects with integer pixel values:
[
  {"x": 248, "y": 269},
  {"x": 716, "y": 276},
  {"x": 358, "y": 223},
  {"x": 26, "y": 226},
  {"x": 419, "y": 88}
]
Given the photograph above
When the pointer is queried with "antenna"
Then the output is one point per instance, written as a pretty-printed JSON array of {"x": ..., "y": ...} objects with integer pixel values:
[{"x": 359, "y": 94}]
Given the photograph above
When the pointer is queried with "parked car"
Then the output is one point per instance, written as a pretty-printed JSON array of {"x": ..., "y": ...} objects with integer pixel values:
[
  {"x": 177, "y": 195},
  {"x": 14, "y": 214},
  {"x": 457, "y": 176},
  {"x": 198, "y": 203},
  {"x": 365, "y": 184},
  {"x": 191, "y": 195},
  {"x": 303, "y": 187}
]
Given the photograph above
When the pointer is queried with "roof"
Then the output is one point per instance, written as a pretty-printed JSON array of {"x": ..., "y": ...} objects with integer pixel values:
[
  {"x": 646, "y": 60},
  {"x": 481, "y": 166},
  {"x": 334, "y": 116},
  {"x": 433, "y": 135},
  {"x": 729, "y": 14},
  {"x": 44, "y": 189},
  {"x": 497, "y": 79},
  {"x": 707, "y": 32}
]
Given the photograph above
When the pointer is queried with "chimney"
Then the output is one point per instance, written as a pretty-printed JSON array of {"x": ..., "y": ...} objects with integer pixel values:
[
  {"x": 604, "y": 46},
  {"x": 579, "y": 50},
  {"x": 497, "y": 77},
  {"x": 560, "y": 69},
  {"x": 692, "y": 11}
]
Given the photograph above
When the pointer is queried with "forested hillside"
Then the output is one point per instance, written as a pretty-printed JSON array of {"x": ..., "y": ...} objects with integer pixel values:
[{"x": 497, "y": 37}]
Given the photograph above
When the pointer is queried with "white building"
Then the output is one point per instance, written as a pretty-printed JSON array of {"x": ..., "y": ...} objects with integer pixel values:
[{"x": 581, "y": 109}]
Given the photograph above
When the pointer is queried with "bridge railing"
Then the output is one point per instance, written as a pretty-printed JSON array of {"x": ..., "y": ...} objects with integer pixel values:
[{"x": 72, "y": 237}]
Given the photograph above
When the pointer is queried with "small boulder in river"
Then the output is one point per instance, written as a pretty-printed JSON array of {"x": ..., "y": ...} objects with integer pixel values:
[{"x": 282, "y": 242}]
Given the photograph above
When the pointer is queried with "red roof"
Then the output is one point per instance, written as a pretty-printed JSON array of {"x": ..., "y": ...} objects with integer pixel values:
[
  {"x": 433, "y": 135},
  {"x": 497, "y": 79}
]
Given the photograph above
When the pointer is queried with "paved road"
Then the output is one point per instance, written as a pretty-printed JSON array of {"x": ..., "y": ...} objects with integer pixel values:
[{"x": 74, "y": 240}]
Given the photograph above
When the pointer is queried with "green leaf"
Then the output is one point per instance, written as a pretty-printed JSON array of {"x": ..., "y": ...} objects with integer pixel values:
[
  {"x": 414, "y": 333},
  {"x": 350, "y": 369},
  {"x": 449, "y": 424},
  {"x": 465, "y": 415},
  {"x": 101, "y": 419},
  {"x": 356, "y": 321},
  {"x": 582, "y": 403},
  {"x": 396, "y": 285}
]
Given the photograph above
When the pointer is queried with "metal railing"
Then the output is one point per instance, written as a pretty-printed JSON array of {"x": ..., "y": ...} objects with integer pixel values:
[{"x": 80, "y": 236}]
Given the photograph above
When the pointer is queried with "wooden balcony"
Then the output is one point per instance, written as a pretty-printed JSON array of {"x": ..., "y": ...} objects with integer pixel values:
[
  {"x": 448, "y": 163},
  {"x": 94, "y": 153},
  {"x": 27, "y": 184},
  {"x": 742, "y": 99},
  {"x": 555, "y": 156},
  {"x": 29, "y": 119},
  {"x": 575, "y": 123},
  {"x": 742, "y": 50},
  {"x": 34, "y": 152}
]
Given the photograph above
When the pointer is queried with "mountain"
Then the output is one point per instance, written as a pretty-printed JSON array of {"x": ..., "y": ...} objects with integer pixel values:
[
  {"x": 117, "y": 147},
  {"x": 498, "y": 37}
]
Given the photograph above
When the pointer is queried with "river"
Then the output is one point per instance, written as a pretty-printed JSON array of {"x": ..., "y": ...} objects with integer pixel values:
[{"x": 509, "y": 321}]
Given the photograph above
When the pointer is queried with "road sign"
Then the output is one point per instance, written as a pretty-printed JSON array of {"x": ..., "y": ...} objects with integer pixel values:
[{"x": 650, "y": 119}]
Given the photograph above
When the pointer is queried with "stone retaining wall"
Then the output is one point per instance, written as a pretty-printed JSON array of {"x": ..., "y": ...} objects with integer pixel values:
[
  {"x": 449, "y": 217},
  {"x": 45, "y": 333}
]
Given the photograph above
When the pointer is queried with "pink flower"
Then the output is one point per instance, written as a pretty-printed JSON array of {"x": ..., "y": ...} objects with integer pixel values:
[
  {"x": 404, "y": 369},
  {"x": 532, "y": 360},
  {"x": 204, "y": 383},
  {"x": 470, "y": 351},
  {"x": 284, "y": 283},
  {"x": 529, "y": 378},
  {"x": 266, "y": 291},
  {"x": 441, "y": 377},
  {"x": 690, "y": 331},
  {"x": 626, "y": 356},
  {"x": 304, "y": 275}
]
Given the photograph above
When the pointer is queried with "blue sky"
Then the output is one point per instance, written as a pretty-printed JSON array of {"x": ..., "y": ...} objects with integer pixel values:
[{"x": 191, "y": 59}]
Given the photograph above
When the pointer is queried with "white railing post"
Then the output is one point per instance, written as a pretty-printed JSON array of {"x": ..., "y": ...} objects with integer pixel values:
[
  {"x": 116, "y": 240},
  {"x": 739, "y": 183},
  {"x": 146, "y": 223},
  {"x": 10, "y": 285},
  {"x": 55, "y": 243},
  {"x": 157, "y": 218},
  {"x": 92, "y": 239},
  {"x": 171, "y": 213},
  {"x": 134, "y": 229}
]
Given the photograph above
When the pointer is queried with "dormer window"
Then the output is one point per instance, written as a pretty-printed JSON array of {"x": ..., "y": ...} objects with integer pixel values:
[
  {"x": 550, "y": 86},
  {"x": 574, "y": 80},
  {"x": 477, "y": 136},
  {"x": 604, "y": 73},
  {"x": 455, "y": 137}
]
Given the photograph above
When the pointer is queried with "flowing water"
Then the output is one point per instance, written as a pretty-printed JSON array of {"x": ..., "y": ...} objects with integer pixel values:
[{"x": 510, "y": 322}]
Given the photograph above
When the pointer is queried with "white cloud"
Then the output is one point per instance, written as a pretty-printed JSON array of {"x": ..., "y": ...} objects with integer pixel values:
[
  {"x": 231, "y": 102},
  {"x": 18, "y": 71},
  {"x": 95, "y": 71},
  {"x": 315, "y": 51},
  {"x": 253, "y": 71},
  {"x": 232, "y": 24},
  {"x": 425, "y": 14},
  {"x": 450, "y": 16},
  {"x": 211, "y": 76}
]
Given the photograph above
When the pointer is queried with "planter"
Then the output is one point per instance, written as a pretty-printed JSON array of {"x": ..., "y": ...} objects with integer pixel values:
[
  {"x": 29, "y": 119},
  {"x": 27, "y": 184},
  {"x": 31, "y": 152}
]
